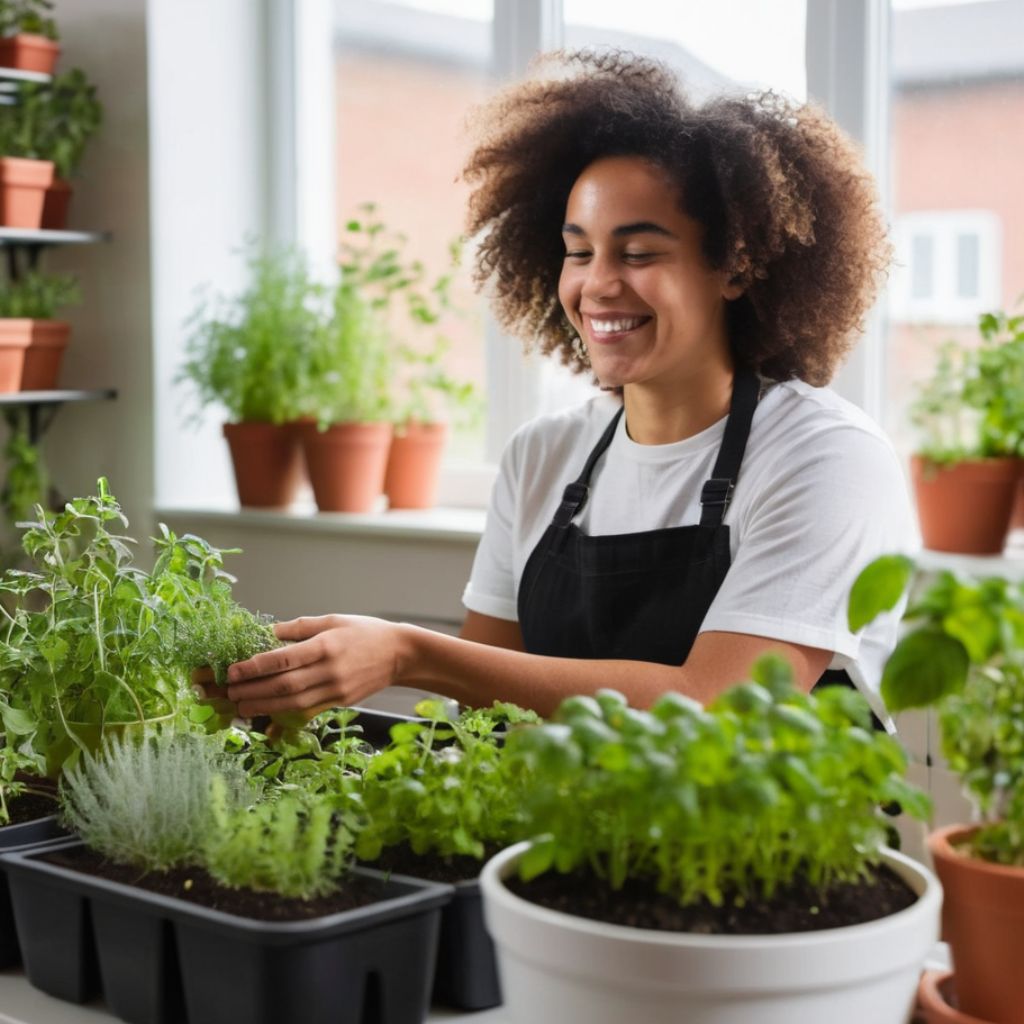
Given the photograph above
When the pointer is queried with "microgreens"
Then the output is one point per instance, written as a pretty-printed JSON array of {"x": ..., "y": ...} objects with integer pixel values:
[
  {"x": 442, "y": 786},
  {"x": 725, "y": 803}
]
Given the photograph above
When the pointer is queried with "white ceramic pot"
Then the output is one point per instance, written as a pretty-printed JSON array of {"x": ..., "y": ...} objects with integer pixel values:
[{"x": 557, "y": 967}]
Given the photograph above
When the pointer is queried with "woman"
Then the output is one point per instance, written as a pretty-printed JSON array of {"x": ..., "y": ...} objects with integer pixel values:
[{"x": 710, "y": 266}]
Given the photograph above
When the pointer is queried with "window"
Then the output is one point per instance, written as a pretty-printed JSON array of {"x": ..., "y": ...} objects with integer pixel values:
[
  {"x": 947, "y": 267},
  {"x": 957, "y": 91}
]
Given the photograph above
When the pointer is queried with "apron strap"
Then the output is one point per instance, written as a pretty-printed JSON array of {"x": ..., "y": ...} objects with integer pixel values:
[
  {"x": 575, "y": 495},
  {"x": 717, "y": 491}
]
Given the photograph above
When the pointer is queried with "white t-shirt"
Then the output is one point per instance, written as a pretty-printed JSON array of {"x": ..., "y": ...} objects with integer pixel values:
[{"x": 819, "y": 495}]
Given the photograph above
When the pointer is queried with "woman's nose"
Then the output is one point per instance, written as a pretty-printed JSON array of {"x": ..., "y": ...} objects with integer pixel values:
[{"x": 603, "y": 279}]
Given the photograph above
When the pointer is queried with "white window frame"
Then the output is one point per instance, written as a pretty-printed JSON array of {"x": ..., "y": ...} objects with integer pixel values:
[
  {"x": 943, "y": 228},
  {"x": 847, "y": 73}
]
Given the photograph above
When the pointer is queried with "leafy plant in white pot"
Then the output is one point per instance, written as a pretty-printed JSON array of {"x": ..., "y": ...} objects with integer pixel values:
[{"x": 718, "y": 866}]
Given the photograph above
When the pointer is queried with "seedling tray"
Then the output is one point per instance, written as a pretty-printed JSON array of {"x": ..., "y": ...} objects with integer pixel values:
[
  {"x": 467, "y": 968},
  {"x": 23, "y": 836},
  {"x": 161, "y": 960}
]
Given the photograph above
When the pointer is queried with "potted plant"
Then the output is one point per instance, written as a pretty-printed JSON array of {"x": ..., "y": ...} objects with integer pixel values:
[
  {"x": 421, "y": 428},
  {"x": 437, "y": 802},
  {"x": 961, "y": 654},
  {"x": 25, "y": 172},
  {"x": 32, "y": 341},
  {"x": 251, "y": 355},
  {"x": 28, "y": 36},
  {"x": 212, "y": 905},
  {"x": 969, "y": 413},
  {"x": 69, "y": 116},
  {"x": 672, "y": 843},
  {"x": 347, "y": 393}
]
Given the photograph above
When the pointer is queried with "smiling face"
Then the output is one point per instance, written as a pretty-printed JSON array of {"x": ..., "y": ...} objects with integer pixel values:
[{"x": 635, "y": 283}]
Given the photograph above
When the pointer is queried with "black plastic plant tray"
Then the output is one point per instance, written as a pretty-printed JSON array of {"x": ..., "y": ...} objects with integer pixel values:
[
  {"x": 164, "y": 961},
  {"x": 26, "y": 835},
  {"x": 467, "y": 969}
]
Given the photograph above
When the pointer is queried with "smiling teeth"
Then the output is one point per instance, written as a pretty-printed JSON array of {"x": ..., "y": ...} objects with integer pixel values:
[{"x": 614, "y": 326}]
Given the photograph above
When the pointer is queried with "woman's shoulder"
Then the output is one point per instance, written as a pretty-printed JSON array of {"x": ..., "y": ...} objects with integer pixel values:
[
  {"x": 796, "y": 413},
  {"x": 577, "y": 426}
]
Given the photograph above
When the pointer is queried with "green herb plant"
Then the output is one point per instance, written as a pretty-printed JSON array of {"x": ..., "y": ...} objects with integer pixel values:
[
  {"x": 298, "y": 845},
  {"x": 442, "y": 787},
  {"x": 27, "y": 16},
  {"x": 147, "y": 801},
  {"x": 38, "y": 296},
  {"x": 102, "y": 650},
  {"x": 68, "y": 116},
  {"x": 972, "y": 406},
  {"x": 254, "y": 354},
  {"x": 963, "y": 654},
  {"x": 727, "y": 803},
  {"x": 25, "y": 483}
]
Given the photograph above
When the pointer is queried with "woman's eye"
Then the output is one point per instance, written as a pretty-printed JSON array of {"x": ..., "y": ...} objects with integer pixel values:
[
  {"x": 577, "y": 254},
  {"x": 636, "y": 257}
]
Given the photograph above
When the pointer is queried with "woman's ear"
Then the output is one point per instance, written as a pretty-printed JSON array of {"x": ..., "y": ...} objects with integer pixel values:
[{"x": 732, "y": 290}]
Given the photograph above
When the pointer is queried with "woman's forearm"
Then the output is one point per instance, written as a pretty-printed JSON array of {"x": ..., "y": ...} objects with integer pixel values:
[{"x": 477, "y": 674}]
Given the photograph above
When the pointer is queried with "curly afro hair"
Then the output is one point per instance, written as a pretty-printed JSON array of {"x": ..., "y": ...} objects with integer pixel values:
[{"x": 788, "y": 210}]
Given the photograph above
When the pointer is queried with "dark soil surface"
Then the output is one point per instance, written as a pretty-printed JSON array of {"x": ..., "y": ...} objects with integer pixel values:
[
  {"x": 400, "y": 860},
  {"x": 30, "y": 807},
  {"x": 798, "y": 908},
  {"x": 196, "y": 886}
]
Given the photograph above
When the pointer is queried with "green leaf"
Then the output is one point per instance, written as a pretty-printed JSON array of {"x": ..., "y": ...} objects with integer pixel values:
[
  {"x": 926, "y": 666},
  {"x": 537, "y": 859},
  {"x": 21, "y": 723},
  {"x": 878, "y": 589}
]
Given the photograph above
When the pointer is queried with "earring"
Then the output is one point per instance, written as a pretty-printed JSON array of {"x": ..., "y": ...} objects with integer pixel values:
[{"x": 580, "y": 350}]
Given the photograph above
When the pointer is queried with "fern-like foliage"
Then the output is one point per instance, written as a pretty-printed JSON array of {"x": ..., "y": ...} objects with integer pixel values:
[
  {"x": 298, "y": 845},
  {"x": 148, "y": 802},
  {"x": 219, "y": 631}
]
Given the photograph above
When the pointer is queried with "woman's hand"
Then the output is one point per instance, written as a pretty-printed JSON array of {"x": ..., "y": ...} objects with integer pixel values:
[{"x": 332, "y": 661}]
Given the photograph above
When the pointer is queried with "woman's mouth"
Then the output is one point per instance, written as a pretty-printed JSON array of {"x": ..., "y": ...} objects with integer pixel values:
[{"x": 608, "y": 328}]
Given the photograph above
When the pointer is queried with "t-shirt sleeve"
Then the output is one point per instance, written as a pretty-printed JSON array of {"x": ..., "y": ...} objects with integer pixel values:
[
  {"x": 806, "y": 539},
  {"x": 491, "y": 589}
]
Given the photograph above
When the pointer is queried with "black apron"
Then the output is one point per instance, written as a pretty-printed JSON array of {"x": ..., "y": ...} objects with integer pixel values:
[{"x": 637, "y": 596}]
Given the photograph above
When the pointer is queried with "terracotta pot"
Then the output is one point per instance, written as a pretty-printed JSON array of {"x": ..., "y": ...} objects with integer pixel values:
[
  {"x": 268, "y": 463},
  {"x": 27, "y": 51},
  {"x": 346, "y": 464},
  {"x": 48, "y": 340},
  {"x": 414, "y": 463},
  {"x": 965, "y": 507},
  {"x": 23, "y": 185},
  {"x": 983, "y": 922},
  {"x": 55, "y": 205},
  {"x": 937, "y": 1002},
  {"x": 15, "y": 337}
]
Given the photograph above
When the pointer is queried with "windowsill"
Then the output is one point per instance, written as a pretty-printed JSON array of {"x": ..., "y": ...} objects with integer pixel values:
[{"x": 457, "y": 525}]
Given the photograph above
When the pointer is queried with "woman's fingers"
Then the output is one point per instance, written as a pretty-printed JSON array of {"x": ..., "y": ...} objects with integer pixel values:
[
  {"x": 305, "y": 627},
  {"x": 281, "y": 690},
  {"x": 270, "y": 663}
]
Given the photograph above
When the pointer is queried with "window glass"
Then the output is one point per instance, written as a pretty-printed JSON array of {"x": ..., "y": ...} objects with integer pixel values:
[
  {"x": 957, "y": 97},
  {"x": 406, "y": 75}
]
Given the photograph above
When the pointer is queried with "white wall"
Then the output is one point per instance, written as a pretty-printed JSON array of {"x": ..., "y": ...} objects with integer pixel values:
[{"x": 111, "y": 343}]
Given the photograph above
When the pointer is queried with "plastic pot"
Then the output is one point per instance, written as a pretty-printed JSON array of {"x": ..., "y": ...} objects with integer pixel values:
[
  {"x": 346, "y": 464},
  {"x": 267, "y": 459},
  {"x": 47, "y": 341},
  {"x": 965, "y": 507},
  {"x": 27, "y": 51},
  {"x": 983, "y": 922},
  {"x": 414, "y": 464},
  {"x": 23, "y": 836},
  {"x": 156, "y": 959},
  {"x": 23, "y": 185},
  {"x": 556, "y": 966}
]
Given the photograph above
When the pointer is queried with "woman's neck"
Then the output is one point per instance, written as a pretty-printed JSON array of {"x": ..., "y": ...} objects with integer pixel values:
[{"x": 660, "y": 415}]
